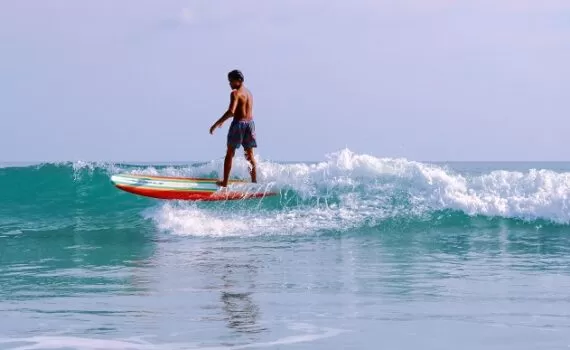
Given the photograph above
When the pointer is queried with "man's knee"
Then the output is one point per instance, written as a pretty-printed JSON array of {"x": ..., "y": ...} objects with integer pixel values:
[
  {"x": 249, "y": 157},
  {"x": 230, "y": 152}
]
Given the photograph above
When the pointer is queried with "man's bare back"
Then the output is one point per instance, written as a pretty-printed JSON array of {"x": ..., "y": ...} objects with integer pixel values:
[
  {"x": 242, "y": 128},
  {"x": 244, "y": 107}
]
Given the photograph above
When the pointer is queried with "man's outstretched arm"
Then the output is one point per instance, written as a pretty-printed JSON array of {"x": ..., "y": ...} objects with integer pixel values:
[{"x": 229, "y": 113}]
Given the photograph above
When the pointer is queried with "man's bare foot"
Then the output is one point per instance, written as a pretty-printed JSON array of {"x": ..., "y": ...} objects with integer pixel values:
[{"x": 221, "y": 183}]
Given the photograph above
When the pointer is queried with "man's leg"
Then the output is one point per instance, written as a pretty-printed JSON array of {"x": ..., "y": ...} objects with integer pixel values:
[
  {"x": 227, "y": 166},
  {"x": 249, "y": 143},
  {"x": 251, "y": 160}
]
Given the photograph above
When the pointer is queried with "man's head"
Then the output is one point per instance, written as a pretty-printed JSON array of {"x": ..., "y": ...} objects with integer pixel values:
[{"x": 235, "y": 78}]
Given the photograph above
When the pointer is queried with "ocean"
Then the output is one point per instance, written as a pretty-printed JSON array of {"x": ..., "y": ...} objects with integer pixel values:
[{"x": 356, "y": 252}]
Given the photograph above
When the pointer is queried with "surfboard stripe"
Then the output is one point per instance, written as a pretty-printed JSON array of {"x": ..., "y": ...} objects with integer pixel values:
[
  {"x": 163, "y": 182},
  {"x": 176, "y": 178},
  {"x": 166, "y": 189}
]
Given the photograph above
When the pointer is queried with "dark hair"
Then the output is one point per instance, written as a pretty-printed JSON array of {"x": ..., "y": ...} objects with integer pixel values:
[{"x": 235, "y": 75}]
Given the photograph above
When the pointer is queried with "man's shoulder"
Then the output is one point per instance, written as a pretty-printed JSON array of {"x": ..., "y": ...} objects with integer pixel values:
[{"x": 240, "y": 93}]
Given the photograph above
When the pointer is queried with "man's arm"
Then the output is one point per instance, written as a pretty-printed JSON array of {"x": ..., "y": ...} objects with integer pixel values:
[{"x": 230, "y": 112}]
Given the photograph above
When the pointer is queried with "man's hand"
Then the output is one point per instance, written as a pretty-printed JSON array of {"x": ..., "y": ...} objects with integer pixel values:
[{"x": 230, "y": 112}]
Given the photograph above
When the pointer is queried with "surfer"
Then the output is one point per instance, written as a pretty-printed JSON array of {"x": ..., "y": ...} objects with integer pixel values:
[{"x": 242, "y": 128}]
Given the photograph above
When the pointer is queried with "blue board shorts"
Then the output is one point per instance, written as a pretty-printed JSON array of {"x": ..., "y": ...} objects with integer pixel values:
[{"x": 242, "y": 132}]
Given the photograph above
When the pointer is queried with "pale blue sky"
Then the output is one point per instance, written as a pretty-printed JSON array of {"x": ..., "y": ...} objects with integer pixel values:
[{"x": 427, "y": 80}]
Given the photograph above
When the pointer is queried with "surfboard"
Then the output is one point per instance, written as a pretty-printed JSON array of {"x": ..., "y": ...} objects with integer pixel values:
[{"x": 187, "y": 188}]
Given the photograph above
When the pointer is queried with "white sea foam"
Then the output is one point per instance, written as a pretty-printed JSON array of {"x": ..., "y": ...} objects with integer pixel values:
[
  {"x": 189, "y": 220},
  {"x": 363, "y": 186},
  {"x": 307, "y": 333}
]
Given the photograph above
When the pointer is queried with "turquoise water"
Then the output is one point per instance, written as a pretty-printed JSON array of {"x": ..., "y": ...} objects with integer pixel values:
[{"x": 356, "y": 252}]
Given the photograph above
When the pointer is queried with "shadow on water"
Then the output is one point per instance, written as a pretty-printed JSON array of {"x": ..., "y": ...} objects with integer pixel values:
[
  {"x": 242, "y": 314},
  {"x": 232, "y": 272}
]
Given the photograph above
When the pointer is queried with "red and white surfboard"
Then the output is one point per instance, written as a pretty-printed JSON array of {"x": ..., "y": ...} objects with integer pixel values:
[{"x": 187, "y": 188}]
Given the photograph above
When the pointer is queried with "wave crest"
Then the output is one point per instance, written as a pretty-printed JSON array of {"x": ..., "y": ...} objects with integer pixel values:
[
  {"x": 343, "y": 192},
  {"x": 349, "y": 190}
]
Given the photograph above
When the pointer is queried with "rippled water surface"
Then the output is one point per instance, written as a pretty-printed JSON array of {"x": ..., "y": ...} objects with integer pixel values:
[{"x": 352, "y": 264}]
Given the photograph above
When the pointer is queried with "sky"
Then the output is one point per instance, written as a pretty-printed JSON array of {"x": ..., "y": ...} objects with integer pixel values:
[{"x": 144, "y": 80}]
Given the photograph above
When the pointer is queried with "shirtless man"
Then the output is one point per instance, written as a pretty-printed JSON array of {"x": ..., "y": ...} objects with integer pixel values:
[{"x": 242, "y": 128}]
